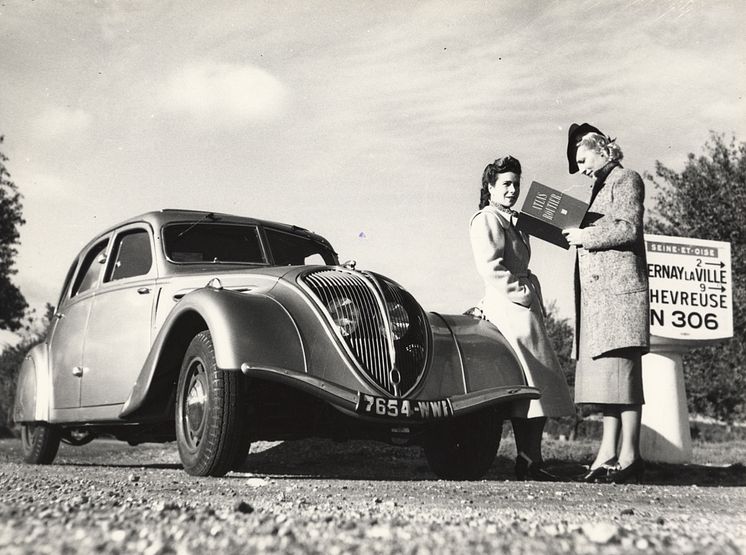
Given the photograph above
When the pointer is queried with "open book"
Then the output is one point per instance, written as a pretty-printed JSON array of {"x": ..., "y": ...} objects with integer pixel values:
[{"x": 546, "y": 212}]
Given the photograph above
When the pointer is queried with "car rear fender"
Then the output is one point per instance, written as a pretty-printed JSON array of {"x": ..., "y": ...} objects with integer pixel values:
[
  {"x": 245, "y": 328},
  {"x": 33, "y": 391}
]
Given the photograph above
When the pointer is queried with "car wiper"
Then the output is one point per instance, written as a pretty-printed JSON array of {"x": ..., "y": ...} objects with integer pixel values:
[{"x": 210, "y": 216}]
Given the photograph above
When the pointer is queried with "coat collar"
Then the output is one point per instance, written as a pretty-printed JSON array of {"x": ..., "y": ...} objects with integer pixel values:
[
  {"x": 602, "y": 173},
  {"x": 601, "y": 176},
  {"x": 501, "y": 217},
  {"x": 505, "y": 223}
]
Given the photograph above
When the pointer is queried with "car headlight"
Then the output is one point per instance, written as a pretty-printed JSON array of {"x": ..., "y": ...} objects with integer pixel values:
[
  {"x": 399, "y": 319},
  {"x": 345, "y": 315}
]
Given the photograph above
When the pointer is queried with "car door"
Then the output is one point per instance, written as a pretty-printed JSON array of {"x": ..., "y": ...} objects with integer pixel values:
[
  {"x": 67, "y": 336},
  {"x": 118, "y": 334}
]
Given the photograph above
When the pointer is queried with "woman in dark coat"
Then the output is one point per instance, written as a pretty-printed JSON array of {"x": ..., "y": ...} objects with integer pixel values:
[{"x": 611, "y": 301}]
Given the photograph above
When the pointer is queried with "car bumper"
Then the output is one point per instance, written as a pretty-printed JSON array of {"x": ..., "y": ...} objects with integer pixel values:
[{"x": 353, "y": 402}]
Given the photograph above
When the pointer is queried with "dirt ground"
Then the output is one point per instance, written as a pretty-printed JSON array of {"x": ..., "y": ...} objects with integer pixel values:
[{"x": 360, "y": 497}]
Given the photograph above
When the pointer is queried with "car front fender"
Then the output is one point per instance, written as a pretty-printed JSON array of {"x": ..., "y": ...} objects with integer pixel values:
[
  {"x": 33, "y": 391},
  {"x": 245, "y": 328},
  {"x": 469, "y": 355}
]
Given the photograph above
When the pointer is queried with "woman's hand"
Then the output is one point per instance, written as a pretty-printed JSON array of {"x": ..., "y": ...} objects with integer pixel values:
[{"x": 573, "y": 236}]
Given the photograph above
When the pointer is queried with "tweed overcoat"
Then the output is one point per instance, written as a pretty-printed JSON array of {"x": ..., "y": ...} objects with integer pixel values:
[
  {"x": 512, "y": 302},
  {"x": 610, "y": 268}
]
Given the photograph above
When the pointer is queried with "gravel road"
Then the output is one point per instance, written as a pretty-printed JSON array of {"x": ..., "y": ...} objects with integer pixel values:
[{"x": 357, "y": 497}]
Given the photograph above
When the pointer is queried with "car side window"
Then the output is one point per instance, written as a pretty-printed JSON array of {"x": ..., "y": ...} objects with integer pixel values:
[
  {"x": 132, "y": 255},
  {"x": 91, "y": 268},
  {"x": 68, "y": 282}
]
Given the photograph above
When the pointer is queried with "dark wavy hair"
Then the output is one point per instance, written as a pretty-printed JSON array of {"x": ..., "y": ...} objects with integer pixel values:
[{"x": 489, "y": 176}]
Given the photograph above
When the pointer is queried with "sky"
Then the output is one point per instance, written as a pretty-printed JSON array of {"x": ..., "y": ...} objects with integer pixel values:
[{"x": 368, "y": 122}]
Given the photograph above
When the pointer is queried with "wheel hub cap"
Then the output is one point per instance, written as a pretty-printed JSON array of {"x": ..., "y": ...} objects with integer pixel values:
[{"x": 195, "y": 402}]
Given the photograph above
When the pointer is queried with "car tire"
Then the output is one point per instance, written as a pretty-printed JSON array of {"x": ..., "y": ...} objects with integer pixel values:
[
  {"x": 210, "y": 412},
  {"x": 464, "y": 448},
  {"x": 40, "y": 442}
]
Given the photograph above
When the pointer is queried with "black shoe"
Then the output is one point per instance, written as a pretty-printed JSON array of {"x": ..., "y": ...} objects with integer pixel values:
[
  {"x": 597, "y": 474},
  {"x": 630, "y": 473},
  {"x": 527, "y": 469}
]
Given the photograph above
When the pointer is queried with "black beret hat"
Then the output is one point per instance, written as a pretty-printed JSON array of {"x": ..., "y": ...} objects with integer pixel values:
[{"x": 574, "y": 134}]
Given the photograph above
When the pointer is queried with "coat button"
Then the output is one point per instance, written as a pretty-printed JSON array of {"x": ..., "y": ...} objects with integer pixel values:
[{"x": 594, "y": 277}]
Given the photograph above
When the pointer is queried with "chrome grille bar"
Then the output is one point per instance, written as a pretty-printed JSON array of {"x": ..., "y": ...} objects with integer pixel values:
[
  {"x": 411, "y": 348},
  {"x": 375, "y": 305},
  {"x": 367, "y": 345},
  {"x": 363, "y": 344},
  {"x": 361, "y": 347}
]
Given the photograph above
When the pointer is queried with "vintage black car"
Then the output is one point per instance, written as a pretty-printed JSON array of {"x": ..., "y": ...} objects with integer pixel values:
[{"x": 216, "y": 330}]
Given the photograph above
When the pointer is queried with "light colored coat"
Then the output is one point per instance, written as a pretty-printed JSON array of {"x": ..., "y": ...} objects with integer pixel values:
[
  {"x": 610, "y": 268},
  {"x": 513, "y": 303}
]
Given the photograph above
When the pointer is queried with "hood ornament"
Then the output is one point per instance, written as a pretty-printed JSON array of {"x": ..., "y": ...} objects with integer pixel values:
[
  {"x": 215, "y": 283},
  {"x": 350, "y": 264}
]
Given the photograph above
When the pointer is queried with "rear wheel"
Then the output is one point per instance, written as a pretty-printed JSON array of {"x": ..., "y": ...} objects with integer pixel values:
[
  {"x": 210, "y": 412},
  {"x": 464, "y": 448},
  {"x": 40, "y": 442}
]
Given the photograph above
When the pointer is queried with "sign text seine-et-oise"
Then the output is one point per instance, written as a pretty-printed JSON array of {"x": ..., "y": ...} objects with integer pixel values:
[{"x": 690, "y": 288}]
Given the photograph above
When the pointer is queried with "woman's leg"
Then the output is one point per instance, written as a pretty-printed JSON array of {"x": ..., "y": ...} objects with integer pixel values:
[
  {"x": 610, "y": 435},
  {"x": 630, "y": 465},
  {"x": 529, "y": 465},
  {"x": 528, "y": 433},
  {"x": 629, "y": 451}
]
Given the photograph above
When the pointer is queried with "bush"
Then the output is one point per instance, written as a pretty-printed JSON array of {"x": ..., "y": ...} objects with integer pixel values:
[
  {"x": 707, "y": 199},
  {"x": 34, "y": 331}
]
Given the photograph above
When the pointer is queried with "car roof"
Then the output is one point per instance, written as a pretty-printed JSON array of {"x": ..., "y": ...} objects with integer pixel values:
[{"x": 158, "y": 218}]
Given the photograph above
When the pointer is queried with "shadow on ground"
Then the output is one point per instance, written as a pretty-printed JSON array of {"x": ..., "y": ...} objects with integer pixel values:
[
  {"x": 374, "y": 461},
  {"x": 354, "y": 460}
]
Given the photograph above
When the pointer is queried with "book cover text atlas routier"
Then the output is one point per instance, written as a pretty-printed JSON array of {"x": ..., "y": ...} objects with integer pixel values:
[{"x": 546, "y": 212}]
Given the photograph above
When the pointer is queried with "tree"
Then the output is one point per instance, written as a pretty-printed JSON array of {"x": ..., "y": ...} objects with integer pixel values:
[
  {"x": 560, "y": 331},
  {"x": 12, "y": 302},
  {"x": 708, "y": 200},
  {"x": 33, "y": 331}
]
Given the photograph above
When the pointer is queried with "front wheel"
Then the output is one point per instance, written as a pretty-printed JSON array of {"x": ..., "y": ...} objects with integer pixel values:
[
  {"x": 464, "y": 448},
  {"x": 210, "y": 412},
  {"x": 40, "y": 442}
]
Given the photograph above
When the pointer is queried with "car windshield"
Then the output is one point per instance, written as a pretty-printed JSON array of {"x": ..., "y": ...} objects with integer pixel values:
[
  {"x": 213, "y": 243},
  {"x": 290, "y": 249}
]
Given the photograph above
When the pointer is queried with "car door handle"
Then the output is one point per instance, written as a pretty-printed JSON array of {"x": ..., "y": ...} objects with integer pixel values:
[
  {"x": 181, "y": 292},
  {"x": 143, "y": 290},
  {"x": 77, "y": 371}
]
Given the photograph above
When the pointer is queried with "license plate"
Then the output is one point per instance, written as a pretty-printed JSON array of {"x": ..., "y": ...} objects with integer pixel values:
[{"x": 403, "y": 408}]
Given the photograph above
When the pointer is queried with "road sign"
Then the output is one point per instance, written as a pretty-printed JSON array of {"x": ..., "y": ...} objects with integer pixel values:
[{"x": 690, "y": 288}]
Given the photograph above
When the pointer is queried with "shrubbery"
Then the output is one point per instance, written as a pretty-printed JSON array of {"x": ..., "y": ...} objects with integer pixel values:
[
  {"x": 34, "y": 331},
  {"x": 708, "y": 200}
]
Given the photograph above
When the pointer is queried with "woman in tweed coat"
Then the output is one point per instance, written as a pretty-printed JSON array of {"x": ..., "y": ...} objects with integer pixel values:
[
  {"x": 611, "y": 301},
  {"x": 512, "y": 301}
]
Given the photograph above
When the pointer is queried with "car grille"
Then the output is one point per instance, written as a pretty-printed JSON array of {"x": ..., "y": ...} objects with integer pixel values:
[{"x": 383, "y": 327}]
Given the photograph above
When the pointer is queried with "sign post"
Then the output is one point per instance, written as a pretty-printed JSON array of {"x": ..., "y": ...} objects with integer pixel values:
[{"x": 690, "y": 306}]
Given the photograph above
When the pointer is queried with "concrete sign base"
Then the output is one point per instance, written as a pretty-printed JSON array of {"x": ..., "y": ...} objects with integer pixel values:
[{"x": 665, "y": 435}]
